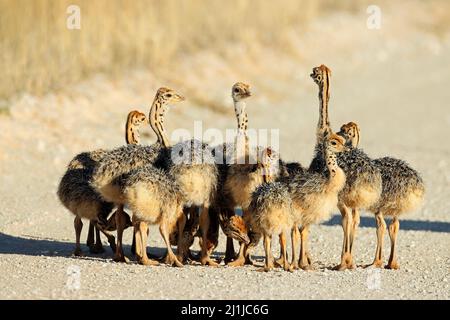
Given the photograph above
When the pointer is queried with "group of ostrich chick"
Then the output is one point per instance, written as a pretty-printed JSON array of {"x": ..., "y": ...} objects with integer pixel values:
[{"x": 191, "y": 189}]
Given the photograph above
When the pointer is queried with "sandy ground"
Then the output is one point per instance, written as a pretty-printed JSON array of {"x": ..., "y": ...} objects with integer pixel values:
[{"x": 393, "y": 82}]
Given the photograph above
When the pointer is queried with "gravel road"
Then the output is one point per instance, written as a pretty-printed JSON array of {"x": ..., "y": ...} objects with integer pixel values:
[{"x": 393, "y": 82}]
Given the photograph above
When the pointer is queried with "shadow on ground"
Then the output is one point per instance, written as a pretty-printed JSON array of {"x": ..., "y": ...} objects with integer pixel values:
[
  {"x": 412, "y": 225},
  {"x": 35, "y": 246}
]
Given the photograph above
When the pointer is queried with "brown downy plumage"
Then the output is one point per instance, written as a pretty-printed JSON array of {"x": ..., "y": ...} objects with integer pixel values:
[
  {"x": 76, "y": 194},
  {"x": 118, "y": 163},
  {"x": 135, "y": 119},
  {"x": 242, "y": 172},
  {"x": 271, "y": 169},
  {"x": 219, "y": 210},
  {"x": 192, "y": 167},
  {"x": 239, "y": 176},
  {"x": 270, "y": 213},
  {"x": 363, "y": 179},
  {"x": 402, "y": 191},
  {"x": 154, "y": 198},
  {"x": 300, "y": 199}
]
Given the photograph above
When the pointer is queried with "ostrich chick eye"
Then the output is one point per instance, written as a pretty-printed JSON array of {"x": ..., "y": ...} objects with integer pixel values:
[
  {"x": 169, "y": 95},
  {"x": 333, "y": 143},
  {"x": 236, "y": 90}
]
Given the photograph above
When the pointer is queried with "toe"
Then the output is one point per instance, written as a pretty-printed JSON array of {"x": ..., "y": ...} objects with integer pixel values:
[
  {"x": 340, "y": 267},
  {"x": 78, "y": 253},
  {"x": 236, "y": 263},
  {"x": 392, "y": 266},
  {"x": 178, "y": 264},
  {"x": 307, "y": 267}
]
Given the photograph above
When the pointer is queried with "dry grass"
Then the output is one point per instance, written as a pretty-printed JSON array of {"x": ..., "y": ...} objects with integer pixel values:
[{"x": 38, "y": 53}]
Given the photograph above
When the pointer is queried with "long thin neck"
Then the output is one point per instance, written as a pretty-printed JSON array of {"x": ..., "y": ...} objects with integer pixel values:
[
  {"x": 324, "y": 96},
  {"x": 268, "y": 165},
  {"x": 268, "y": 175},
  {"x": 355, "y": 140},
  {"x": 131, "y": 131},
  {"x": 241, "y": 116},
  {"x": 331, "y": 161},
  {"x": 241, "y": 146},
  {"x": 156, "y": 119}
]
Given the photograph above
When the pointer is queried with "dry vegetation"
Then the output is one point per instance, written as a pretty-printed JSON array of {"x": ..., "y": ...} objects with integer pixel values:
[{"x": 38, "y": 53}]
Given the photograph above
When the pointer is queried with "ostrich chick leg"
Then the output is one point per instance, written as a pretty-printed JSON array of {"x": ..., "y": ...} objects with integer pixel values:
[{"x": 393, "y": 231}]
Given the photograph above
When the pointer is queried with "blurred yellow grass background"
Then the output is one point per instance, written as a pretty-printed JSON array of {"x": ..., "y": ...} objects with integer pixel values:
[{"x": 38, "y": 53}]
